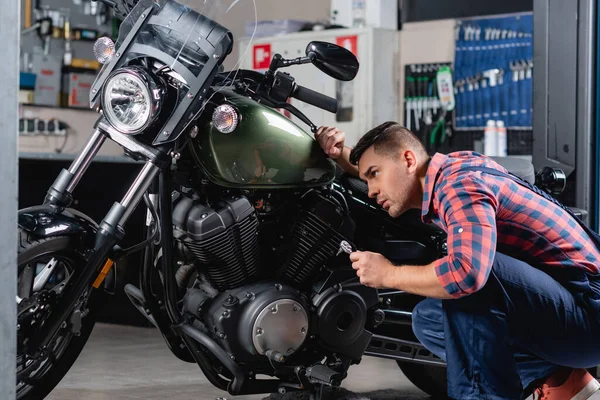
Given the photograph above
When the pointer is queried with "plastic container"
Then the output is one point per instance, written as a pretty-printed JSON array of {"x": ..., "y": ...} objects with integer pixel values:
[
  {"x": 490, "y": 139},
  {"x": 502, "y": 139},
  {"x": 359, "y": 13}
]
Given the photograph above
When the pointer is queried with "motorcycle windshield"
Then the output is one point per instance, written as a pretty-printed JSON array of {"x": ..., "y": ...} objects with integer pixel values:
[
  {"x": 187, "y": 36},
  {"x": 188, "y": 41}
]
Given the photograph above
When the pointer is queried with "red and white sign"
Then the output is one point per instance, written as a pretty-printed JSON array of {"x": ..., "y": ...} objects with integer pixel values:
[
  {"x": 261, "y": 56},
  {"x": 349, "y": 43}
]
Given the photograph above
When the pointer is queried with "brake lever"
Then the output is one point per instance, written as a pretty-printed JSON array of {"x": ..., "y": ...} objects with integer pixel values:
[
  {"x": 260, "y": 94},
  {"x": 287, "y": 106},
  {"x": 299, "y": 114}
]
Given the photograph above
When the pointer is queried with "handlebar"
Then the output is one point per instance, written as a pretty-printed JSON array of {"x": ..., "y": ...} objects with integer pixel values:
[
  {"x": 261, "y": 89},
  {"x": 316, "y": 99}
]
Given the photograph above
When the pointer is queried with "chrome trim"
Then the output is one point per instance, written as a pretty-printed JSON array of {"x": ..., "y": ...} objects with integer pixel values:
[
  {"x": 137, "y": 189},
  {"x": 42, "y": 278},
  {"x": 85, "y": 158},
  {"x": 127, "y": 141},
  {"x": 156, "y": 94}
]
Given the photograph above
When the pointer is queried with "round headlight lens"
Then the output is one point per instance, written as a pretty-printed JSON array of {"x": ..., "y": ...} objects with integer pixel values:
[
  {"x": 225, "y": 118},
  {"x": 128, "y": 102}
]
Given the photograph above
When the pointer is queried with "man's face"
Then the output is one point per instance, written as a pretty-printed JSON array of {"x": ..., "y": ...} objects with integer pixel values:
[{"x": 390, "y": 179}]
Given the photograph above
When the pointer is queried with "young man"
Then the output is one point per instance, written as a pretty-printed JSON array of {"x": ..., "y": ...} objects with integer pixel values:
[{"x": 515, "y": 306}]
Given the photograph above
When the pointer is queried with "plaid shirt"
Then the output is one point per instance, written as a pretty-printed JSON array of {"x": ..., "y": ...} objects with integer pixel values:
[{"x": 482, "y": 213}]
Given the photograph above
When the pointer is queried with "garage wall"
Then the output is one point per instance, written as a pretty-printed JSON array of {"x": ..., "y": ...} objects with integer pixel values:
[
  {"x": 81, "y": 127},
  {"x": 424, "y": 42},
  {"x": 236, "y": 18},
  {"x": 427, "y": 10},
  {"x": 420, "y": 42},
  {"x": 310, "y": 10}
]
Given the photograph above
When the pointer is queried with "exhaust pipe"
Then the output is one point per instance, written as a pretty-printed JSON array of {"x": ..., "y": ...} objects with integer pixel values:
[
  {"x": 137, "y": 299},
  {"x": 238, "y": 385},
  {"x": 235, "y": 386}
]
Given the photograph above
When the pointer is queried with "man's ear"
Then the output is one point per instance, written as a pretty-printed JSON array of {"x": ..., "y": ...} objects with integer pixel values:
[{"x": 410, "y": 158}]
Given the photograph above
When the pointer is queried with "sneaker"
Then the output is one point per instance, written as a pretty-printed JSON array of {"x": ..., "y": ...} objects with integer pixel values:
[{"x": 580, "y": 385}]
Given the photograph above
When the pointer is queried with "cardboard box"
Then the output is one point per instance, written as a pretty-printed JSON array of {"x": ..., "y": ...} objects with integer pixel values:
[
  {"x": 48, "y": 77},
  {"x": 76, "y": 89}
]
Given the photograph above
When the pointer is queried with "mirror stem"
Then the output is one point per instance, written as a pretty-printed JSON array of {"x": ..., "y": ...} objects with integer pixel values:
[
  {"x": 279, "y": 62},
  {"x": 297, "y": 61},
  {"x": 276, "y": 62}
]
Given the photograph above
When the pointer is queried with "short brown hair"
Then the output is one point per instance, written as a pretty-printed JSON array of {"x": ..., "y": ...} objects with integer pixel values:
[{"x": 387, "y": 138}]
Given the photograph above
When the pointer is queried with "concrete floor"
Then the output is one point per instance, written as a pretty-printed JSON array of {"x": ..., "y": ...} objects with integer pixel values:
[{"x": 127, "y": 363}]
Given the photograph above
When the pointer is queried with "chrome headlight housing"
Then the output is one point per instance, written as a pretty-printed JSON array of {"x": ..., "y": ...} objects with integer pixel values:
[{"x": 131, "y": 99}]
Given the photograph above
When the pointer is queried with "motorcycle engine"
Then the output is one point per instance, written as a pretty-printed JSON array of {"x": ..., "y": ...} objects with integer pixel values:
[
  {"x": 223, "y": 240},
  {"x": 315, "y": 237},
  {"x": 266, "y": 318},
  {"x": 265, "y": 306}
]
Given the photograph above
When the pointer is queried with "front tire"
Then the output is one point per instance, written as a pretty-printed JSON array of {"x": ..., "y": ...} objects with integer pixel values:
[
  {"x": 39, "y": 381},
  {"x": 429, "y": 378}
]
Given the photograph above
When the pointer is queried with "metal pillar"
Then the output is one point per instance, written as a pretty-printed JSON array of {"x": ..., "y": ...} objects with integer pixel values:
[
  {"x": 9, "y": 82},
  {"x": 563, "y": 95}
]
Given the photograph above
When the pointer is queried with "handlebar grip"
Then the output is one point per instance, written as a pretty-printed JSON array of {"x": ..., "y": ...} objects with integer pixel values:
[{"x": 316, "y": 99}]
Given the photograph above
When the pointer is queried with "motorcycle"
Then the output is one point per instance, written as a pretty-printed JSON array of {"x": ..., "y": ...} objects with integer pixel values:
[{"x": 248, "y": 226}]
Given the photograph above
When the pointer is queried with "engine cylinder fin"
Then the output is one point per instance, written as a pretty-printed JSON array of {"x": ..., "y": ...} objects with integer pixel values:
[
  {"x": 231, "y": 256},
  {"x": 314, "y": 242}
]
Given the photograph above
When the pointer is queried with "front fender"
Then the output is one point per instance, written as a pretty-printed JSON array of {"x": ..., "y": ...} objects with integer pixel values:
[{"x": 46, "y": 221}]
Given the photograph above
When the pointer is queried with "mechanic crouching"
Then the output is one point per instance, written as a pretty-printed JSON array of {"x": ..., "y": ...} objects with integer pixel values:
[{"x": 514, "y": 308}]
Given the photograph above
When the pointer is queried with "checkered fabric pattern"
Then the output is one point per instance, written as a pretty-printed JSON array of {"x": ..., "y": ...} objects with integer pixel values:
[{"x": 483, "y": 213}]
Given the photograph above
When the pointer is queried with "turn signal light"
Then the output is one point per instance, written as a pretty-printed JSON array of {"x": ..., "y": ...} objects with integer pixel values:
[{"x": 225, "y": 118}]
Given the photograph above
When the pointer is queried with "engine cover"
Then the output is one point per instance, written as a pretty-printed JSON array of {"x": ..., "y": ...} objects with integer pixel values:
[
  {"x": 341, "y": 318},
  {"x": 223, "y": 239},
  {"x": 261, "y": 319}
]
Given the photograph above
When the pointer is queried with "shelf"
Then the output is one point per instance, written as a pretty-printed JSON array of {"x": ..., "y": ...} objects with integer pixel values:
[
  {"x": 71, "y": 157},
  {"x": 58, "y": 107}
]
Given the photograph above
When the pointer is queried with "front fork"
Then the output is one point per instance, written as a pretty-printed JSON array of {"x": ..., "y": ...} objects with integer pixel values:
[{"x": 111, "y": 229}]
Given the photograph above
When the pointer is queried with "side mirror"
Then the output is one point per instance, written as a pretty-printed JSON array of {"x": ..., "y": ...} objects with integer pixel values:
[{"x": 335, "y": 61}]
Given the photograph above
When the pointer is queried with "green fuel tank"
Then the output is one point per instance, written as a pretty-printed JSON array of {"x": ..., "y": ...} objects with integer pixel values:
[{"x": 265, "y": 150}]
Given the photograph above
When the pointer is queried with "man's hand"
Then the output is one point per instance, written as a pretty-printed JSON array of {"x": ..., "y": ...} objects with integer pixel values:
[
  {"x": 331, "y": 141},
  {"x": 376, "y": 271},
  {"x": 373, "y": 269}
]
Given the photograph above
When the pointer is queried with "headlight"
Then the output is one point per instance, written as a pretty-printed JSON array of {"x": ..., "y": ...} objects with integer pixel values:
[{"x": 131, "y": 100}]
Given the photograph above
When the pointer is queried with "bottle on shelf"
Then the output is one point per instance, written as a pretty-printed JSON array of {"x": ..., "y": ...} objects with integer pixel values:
[
  {"x": 502, "y": 139},
  {"x": 490, "y": 139}
]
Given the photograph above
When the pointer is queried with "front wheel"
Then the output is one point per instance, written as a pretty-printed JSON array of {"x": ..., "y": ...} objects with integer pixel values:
[
  {"x": 37, "y": 377},
  {"x": 429, "y": 378}
]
